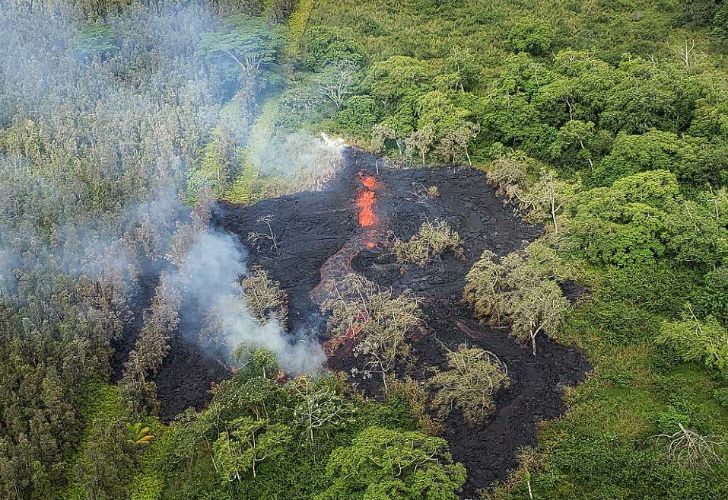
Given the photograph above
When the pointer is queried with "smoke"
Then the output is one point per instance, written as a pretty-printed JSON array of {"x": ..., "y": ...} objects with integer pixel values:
[
  {"x": 107, "y": 121},
  {"x": 209, "y": 278},
  {"x": 8, "y": 262}
]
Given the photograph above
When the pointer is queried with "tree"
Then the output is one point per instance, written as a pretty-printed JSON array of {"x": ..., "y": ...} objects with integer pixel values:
[
  {"x": 703, "y": 341},
  {"x": 247, "y": 442},
  {"x": 508, "y": 175},
  {"x": 326, "y": 45},
  {"x": 432, "y": 239},
  {"x": 381, "y": 133},
  {"x": 264, "y": 298},
  {"x": 421, "y": 141},
  {"x": 384, "y": 463},
  {"x": 627, "y": 222},
  {"x": 462, "y": 65},
  {"x": 246, "y": 43},
  {"x": 463, "y": 135},
  {"x": 483, "y": 286},
  {"x": 536, "y": 310},
  {"x": 531, "y": 35},
  {"x": 519, "y": 289},
  {"x": 319, "y": 406},
  {"x": 472, "y": 378},
  {"x": 377, "y": 319},
  {"x": 547, "y": 198},
  {"x": 336, "y": 81}
]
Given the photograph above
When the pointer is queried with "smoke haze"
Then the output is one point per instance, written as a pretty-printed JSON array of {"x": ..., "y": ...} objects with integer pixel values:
[{"x": 138, "y": 110}]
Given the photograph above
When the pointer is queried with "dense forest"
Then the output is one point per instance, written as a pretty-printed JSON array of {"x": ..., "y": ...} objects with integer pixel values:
[{"x": 126, "y": 124}]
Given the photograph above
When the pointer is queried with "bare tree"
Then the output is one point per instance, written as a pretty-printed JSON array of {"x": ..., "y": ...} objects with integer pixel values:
[
  {"x": 421, "y": 141},
  {"x": 336, "y": 81},
  {"x": 256, "y": 238},
  {"x": 692, "y": 449}
]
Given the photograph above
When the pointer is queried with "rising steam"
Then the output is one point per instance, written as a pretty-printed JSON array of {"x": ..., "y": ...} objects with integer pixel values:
[{"x": 54, "y": 220}]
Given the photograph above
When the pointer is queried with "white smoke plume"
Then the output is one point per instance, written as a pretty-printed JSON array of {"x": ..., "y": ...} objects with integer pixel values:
[
  {"x": 210, "y": 277},
  {"x": 138, "y": 114}
]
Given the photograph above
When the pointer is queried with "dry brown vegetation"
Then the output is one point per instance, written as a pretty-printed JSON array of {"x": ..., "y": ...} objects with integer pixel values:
[
  {"x": 518, "y": 289},
  {"x": 378, "y": 320}
]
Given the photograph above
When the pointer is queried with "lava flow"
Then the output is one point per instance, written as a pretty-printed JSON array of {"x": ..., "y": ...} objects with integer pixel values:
[
  {"x": 339, "y": 264},
  {"x": 366, "y": 199}
]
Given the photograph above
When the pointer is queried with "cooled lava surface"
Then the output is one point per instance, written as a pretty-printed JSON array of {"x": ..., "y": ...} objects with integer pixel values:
[{"x": 347, "y": 227}]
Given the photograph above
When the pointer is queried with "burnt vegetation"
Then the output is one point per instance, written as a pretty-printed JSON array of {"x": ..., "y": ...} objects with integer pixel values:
[{"x": 298, "y": 249}]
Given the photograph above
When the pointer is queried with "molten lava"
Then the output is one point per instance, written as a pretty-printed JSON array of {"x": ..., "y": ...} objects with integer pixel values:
[
  {"x": 366, "y": 199},
  {"x": 365, "y": 203}
]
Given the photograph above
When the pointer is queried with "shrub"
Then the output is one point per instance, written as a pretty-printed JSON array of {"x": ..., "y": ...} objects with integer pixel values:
[
  {"x": 472, "y": 378},
  {"x": 433, "y": 239},
  {"x": 265, "y": 298},
  {"x": 695, "y": 340}
]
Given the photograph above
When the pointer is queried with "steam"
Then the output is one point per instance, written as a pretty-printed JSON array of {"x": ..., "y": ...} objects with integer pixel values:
[
  {"x": 138, "y": 115},
  {"x": 209, "y": 277}
]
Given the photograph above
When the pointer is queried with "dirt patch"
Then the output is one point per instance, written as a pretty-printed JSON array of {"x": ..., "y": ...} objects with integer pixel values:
[{"x": 321, "y": 230}]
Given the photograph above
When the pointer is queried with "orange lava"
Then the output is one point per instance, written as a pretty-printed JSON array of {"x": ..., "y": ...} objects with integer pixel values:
[
  {"x": 348, "y": 340},
  {"x": 365, "y": 203},
  {"x": 369, "y": 181}
]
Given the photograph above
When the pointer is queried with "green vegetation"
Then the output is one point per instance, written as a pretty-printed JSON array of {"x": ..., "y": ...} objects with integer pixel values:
[
  {"x": 605, "y": 121},
  {"x": 432, "y": 240},
  {"x": 472, "y": 378}
]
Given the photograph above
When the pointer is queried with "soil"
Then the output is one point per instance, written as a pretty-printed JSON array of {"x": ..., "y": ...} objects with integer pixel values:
[{"x": 312, "y": 230}]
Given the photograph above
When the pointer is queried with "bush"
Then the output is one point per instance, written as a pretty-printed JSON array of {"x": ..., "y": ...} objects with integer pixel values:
[
  {"x": 472, "y": 378},
  {"x": 433, "y": 239},
  {"x": 265, "y": 298}
]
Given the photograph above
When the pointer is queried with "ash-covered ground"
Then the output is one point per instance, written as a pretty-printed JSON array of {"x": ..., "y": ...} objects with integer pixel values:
[{"x": 312, "y": 227}]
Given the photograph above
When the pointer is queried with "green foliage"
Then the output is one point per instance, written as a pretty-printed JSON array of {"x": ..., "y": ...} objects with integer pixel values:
[
  {"x": 694, "y": 160},
  {"x": 245, "y": 48},
  {"x": 695, "y": 340},
  {"x": 359, "y": 115},
  {"x": 531, "y": 35},
  {"x": 245, "y": 443},
  {"x": 720, "y": 22},
  {"x": 96, "y": 41},
  {"x": 326, "y": 45},
  {"x": 381, "y": 463},
  {"x": 641, "y": 218}
]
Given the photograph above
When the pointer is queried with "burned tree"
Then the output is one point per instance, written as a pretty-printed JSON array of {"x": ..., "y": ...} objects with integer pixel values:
[
  {"x": 160, "y": 321},
  {"x": 508, "y": 176},
  {"x": 258, "y": 237},
  {"x": 265, "y": 298},
  {"x": 377, "y": 320}
]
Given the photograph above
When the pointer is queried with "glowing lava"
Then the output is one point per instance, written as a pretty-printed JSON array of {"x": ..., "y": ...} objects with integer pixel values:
[{"x": 366, "y": 199}]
